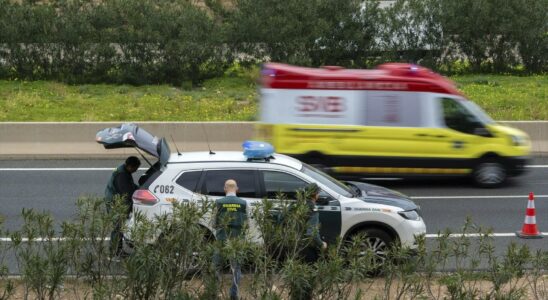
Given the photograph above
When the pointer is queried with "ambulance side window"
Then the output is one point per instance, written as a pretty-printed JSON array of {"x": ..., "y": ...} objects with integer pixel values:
[
  {"x": 458, "y": 118},
  {"x": 279, "y": 182},
  {"x": 393, "y": 109}
]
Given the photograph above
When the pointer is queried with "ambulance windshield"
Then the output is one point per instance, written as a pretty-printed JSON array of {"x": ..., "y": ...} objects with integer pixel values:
[
  {"x": 327, "y": 180},
  {"x": 478, "y": 112}
]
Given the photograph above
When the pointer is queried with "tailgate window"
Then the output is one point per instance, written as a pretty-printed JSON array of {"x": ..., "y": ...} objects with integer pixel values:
[{"x": 150, "y": 175}]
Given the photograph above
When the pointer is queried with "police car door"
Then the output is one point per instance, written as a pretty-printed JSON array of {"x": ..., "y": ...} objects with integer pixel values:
[
  {"x": 275, "y": 182},
  {"x": 212, "y": 187}
]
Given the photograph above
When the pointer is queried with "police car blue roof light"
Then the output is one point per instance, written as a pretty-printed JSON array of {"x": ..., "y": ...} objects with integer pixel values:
[{"x": 257, "y": 150}]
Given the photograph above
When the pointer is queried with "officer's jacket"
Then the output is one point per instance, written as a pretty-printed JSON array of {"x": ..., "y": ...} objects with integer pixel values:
[
  {"x": 120, "y": 184},
  {"x": 313, "y": 224},
  {"x": 230, "y": 217}
]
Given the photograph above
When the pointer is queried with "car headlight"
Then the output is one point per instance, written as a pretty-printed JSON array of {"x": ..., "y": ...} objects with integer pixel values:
[
  {"x": 410, "y": 215},
  {"x": 518, "y": 140}
]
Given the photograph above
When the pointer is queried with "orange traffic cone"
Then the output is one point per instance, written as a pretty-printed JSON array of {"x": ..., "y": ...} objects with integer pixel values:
[{"x": 529, "y": 229}]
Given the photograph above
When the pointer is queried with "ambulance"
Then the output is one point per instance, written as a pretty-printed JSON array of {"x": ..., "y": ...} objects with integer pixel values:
[{"x": 398, "y": 120}]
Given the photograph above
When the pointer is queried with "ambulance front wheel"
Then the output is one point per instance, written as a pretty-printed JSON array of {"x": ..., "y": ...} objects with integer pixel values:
[{"x": 489, "y": 174}]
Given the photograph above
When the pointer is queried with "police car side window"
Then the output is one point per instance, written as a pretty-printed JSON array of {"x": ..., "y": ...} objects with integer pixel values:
[
  {"x": 189, "y": 180},
  {"x": 215, "y": 180},
  {"x": 279, "y": 182}
]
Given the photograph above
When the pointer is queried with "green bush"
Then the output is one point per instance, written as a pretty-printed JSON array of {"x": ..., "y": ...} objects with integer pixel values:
[
  {"x": 179, "y": 264},
  {"x": 180, "y": 41},
  {"x": 7, "y": 287},
  {"x": 117, "y": 41}
]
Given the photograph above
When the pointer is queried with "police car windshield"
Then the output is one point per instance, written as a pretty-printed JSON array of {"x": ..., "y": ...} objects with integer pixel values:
[{"x": 327, "y": 180}]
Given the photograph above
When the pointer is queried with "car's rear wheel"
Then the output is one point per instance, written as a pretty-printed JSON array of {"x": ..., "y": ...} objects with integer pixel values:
[
  {"x": 489, "y": 174},
  {"x": 195, "y": 260}
]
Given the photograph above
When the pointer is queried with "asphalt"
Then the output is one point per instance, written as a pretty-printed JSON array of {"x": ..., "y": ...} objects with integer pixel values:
[{"x": 445, "y": 203}]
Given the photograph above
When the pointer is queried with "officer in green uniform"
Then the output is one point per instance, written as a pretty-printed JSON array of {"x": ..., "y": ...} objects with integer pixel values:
[
  {"x": 230, "y": 219},
  {"x": 121, "y": 185},
  {"x": 312, "y": 244},
  {"x": 313, "y": 225}
]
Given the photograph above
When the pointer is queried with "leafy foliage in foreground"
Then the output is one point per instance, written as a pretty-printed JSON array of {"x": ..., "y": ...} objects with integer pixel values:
[{"x": 179, "y": 265}]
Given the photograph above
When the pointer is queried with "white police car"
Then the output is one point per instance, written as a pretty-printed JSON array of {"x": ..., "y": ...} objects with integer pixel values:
[{"x": 346, "y": 209}]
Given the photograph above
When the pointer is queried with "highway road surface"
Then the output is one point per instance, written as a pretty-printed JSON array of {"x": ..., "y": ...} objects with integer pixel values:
[{"x": 54, "y": 185}]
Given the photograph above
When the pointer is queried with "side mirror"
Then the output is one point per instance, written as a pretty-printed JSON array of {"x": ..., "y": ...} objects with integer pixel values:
[
  {"x": 323, "y": 201},
  {"x": 324, "y": 198},
  {"x": 482, "y": 131}
]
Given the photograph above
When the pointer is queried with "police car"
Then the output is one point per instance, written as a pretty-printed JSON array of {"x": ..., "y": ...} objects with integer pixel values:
[{"x": 346, "y": 209}]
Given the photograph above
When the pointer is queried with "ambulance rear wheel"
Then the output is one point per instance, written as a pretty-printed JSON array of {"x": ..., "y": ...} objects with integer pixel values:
[{"x": 489, "y": 174}]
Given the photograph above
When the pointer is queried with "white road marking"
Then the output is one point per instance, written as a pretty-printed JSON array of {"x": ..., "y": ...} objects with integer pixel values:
[
  {"x": 524, "y": 196},
  {"x": 458, "y": 235},
  {"x": 430, "y": 236},
  {"x": 112, "y": 168}
]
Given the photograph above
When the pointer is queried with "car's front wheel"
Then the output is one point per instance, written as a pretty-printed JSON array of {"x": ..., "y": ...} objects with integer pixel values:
[
  {"x": 489, "y": 174},
  {"x": 373, "y": 244}
]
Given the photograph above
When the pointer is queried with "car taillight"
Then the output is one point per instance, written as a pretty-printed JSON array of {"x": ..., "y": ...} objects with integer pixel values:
[{"x": 144, "y": 197}]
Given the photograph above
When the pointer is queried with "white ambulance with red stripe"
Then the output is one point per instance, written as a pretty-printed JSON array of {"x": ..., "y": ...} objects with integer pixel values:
[{"x": 396, "y": 120}]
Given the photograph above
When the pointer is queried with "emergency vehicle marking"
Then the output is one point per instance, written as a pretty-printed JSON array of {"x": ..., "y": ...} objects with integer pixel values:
[
  {"x": 164, "y": 189},
  {"x": 358, "y": 85},
  {"x": 231, "y": 206},
  {"x": 327, "y": 208},
  {"x": 320, "y": 103}
]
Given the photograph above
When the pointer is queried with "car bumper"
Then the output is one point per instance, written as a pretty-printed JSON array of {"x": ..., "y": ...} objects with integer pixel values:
[
  {"x": 408, "y": 230},
  {"x": 517, "y": 165}
]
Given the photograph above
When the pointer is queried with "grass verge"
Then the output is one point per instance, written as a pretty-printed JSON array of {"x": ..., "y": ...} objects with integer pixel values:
[{"x": 230, "y": 98}]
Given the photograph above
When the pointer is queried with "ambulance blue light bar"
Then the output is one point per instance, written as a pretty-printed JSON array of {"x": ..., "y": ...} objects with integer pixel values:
[
  {"x": 257, "y": 150},
  {"x": 268, "y": 72}
]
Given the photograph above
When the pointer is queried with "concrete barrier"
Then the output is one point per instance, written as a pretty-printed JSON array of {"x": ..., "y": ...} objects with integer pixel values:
[
  {"x": 77, "y": 139},
  {"x": 537, "y": 131}
]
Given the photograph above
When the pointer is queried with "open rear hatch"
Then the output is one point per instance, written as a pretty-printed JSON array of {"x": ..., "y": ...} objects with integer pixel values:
[{"x": 129, "y": 135}]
